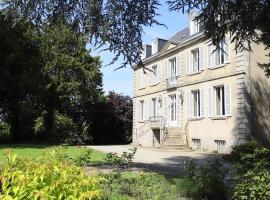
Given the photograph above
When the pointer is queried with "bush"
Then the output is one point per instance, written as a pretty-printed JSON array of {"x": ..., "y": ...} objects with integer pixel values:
[
  {"x": 49, "y": 179},
  {"x": 64, "y": 129},
  {"x": 252, "y": 172},
  {"x": 4, "y": 131},
  {"x": 123, "y": 161},
  {"x": 205, "y": 182},
  {"x": 146, "y": 186}
]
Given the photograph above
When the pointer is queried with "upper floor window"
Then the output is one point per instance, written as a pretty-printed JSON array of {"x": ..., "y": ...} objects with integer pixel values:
[
  {"x": 173, "y": 69},
  {"x": 195, "y": 60},
  {"x": 220, "y": 56},
  {"x": 154, "y": 75}
]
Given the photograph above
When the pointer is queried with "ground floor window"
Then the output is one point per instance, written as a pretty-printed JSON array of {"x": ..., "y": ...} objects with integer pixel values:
[
  {"x": 220, "y": 146},
  {"x": 196, "y": 144},
  {"x": 195, "y": 95},
  {"x": 142, "y": 111},
  {"x": 219, "y": 100},
  {"x": 173, "y": 108}
]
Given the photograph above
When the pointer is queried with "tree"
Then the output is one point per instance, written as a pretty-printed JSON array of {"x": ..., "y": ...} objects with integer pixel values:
[
  {"x": 114, "y": 122},
  {"x": 20, "y": 77},
  {"x": 247, "y": 21},
  {"x": 118, "y": 23},
  {"x": 74, "y": 80}
]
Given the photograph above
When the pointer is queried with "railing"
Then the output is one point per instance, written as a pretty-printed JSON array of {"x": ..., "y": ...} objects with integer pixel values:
[
  {"x": 156, "y": 122},
  {"x": 171, "y": 82}
]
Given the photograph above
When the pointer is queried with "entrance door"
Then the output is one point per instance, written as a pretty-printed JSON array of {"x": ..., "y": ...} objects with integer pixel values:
[{"x": 173, "y": 121}]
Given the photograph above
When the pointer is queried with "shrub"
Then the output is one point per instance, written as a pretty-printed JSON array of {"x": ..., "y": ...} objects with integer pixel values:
[
  {"x": 206, "y": 181},
  {"x": 49, "y": 179},
  {"x": 122, "y": 161},
  {"x": 4, "y": 131},
  {"x": 63, "y": 131},
  {"x": 252, "y": 179},
  {"x": 146, "y": 186}
]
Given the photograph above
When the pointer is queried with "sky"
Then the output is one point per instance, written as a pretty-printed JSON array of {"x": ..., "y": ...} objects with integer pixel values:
[{"x": 121, "y": 80}]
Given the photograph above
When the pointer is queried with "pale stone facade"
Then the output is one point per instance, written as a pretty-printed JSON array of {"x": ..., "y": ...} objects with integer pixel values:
[{"x": 194, "y": 97}]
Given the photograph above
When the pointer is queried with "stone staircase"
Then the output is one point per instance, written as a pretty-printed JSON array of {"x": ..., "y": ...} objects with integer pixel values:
[{"x": 174, "y": 141}]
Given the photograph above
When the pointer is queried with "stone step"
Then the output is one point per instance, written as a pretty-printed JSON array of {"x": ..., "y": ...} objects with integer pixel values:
[{"x": 178, "y": 147}]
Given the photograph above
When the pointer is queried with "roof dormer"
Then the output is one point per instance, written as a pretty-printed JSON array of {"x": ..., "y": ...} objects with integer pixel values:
[{"x": 194, "y": 25}]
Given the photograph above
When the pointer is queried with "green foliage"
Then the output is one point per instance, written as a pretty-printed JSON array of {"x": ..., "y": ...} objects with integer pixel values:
[
  {"x": 63, "y": 131},
  {"x": 4, "y": 131},
  {"x": 85, "y": 159},
  {"x": 206, "y": 181},
  {"x": 49, "y": 179},
  {"x": 252, "y": 179},
  {"x": 122, "y": 161},
  {"x": 147, "y": 186}
]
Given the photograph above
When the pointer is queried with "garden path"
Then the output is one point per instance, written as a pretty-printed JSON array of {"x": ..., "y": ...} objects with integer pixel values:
[{"x": 149, "y": 159}]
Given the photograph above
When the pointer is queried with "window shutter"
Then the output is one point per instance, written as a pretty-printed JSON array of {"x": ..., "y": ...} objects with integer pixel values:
[
  {"x": 157, "y": 107},
  {"x": 138, "y": 110},
  {"x": 210, "y": 55},
  {"x": 150, "y": 75},
  {"x": 226, "y": 49},
  {"x": 144, "y": 109},
  {"x": 210, "y": 102},
  {"x": 165, "y": 70},
  {"x": 181, "y": 65},
  {"x": 188, "y": 104},
  {"x": 142, "y": 79},
  {"x": 158, "y": 74},
  {"x": 150, "y": 108},
  {"x": 190, "y": 62},
  {"x": 202, "y": 102},
  {"x": 227, "y": 88},
  {"x": 178, "y": 111},
  {"x": 165, "y": 108},
  {"x": 187, "y": 63},
  {"x": 201, "y": 64},
  {"x": 178, "y": 70}
]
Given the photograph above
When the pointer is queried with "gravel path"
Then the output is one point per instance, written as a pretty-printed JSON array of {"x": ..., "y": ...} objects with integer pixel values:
[{"x": 169, "y": 162}]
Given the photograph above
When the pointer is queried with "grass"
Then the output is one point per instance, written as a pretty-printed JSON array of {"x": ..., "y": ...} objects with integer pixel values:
[{"x": 35, "y": 151}]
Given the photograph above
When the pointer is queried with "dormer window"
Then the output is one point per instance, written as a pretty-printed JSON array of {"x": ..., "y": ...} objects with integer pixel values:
[
  {"x": 194, "y": 26},
  {"x": 154, "y": 46}
]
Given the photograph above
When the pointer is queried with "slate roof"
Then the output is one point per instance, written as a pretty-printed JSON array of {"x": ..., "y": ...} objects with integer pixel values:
[{"x": 180, "y": 36}]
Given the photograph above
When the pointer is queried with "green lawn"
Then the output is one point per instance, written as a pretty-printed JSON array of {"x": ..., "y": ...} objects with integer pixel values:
[{"x": 36, "y": 151}]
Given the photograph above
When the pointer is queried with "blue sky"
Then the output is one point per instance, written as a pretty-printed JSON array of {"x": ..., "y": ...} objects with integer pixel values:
[{"x": 121, "y": 81}]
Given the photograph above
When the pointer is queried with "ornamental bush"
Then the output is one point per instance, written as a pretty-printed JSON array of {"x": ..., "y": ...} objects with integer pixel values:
[{"x": 48, "y": 179}]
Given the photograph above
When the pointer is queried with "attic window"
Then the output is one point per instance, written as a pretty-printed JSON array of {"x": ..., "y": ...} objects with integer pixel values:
[
  {"x": 194, "y": 26},
  {"x": 154, "y": 47}
]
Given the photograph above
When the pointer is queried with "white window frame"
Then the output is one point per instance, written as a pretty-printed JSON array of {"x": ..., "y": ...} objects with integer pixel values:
[
  {"x": 195, "y": 53},
  {"x": 221, "y": 146},
  {"x": 219, "y": 107},
  {"x": 154, "y": 107},
  {"x": 196, "y": 144},
  {"x": 173, "y": 67},
  {"x": 154, "y": 75},
  {"x": 220, "y": 54},
  {"x": 195, "y": 104},
  {"x": 173, "y": 110},
  {"x": 142, "y": 109}
]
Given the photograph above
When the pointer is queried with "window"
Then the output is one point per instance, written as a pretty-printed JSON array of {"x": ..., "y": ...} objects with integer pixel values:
[
  {"x": 221, "y": 55},
  {"x": 154, "y": 46},
  {"x": 219, "y": 100},
  {"x": 195, "y": 95},
  {"x": 154, "y": 75},
  {"x": 196, "y": 144},
  {"x": 173, "y": 108},
  {"x": 173, "y": 67},
  {"x": 142, "y": 113},
  {"x": 195, "y": 60},
  {"x": 220, "y": 146},
  {"x": 194, "y": 26}
]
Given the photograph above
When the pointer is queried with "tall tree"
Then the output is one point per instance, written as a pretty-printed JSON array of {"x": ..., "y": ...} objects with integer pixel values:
[
  {"x": 118, "y": 23},
  {"x": 20, "y": 77},
  {"x": 74, "y": 80}
]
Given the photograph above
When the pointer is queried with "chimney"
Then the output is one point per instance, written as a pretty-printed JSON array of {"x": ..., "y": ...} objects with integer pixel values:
[
  {"x": 157, "y": 45},
  {"x": 147, "y": 50}
]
